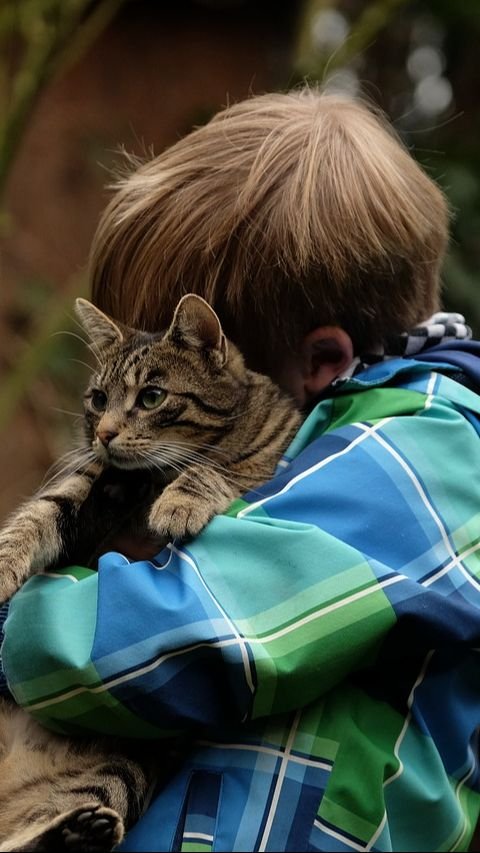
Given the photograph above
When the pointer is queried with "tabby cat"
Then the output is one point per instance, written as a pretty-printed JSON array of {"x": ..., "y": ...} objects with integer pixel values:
[{"x": 176, "y": 427}]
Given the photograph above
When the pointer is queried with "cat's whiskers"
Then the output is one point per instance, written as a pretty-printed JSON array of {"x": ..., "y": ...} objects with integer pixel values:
[
  {"x": 226, "y": 472},
  {"x": 71, "y": 463},
  {"x": 92, "y": 345},
  {"x": 193, "y": 458},
  {"x": 180, "y": 456},
  {"x": 183, "y": 448},
  {"x": 93, "y": 349},
  {"x": 67, "y": 412},
  {"x": 200, "y": 459},
  {"x": 160, "y": 462},
  {"x": 189, "y": 454},
  {"x": 89, "y": 367},
  {"x": 78, "y": 461},
  {"x": 96, "y": 352},
  {"x": 211, "y": 448}
]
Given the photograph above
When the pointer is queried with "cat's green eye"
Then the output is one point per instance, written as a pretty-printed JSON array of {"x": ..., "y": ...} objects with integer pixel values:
[
  {"x": 150, "y": 398},
  {"x": 98, "y": 400}
]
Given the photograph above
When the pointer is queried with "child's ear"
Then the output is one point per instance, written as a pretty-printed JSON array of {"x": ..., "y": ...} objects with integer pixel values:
[
  {"x": 101, "y": 330},
  {"x": 326, "y": 353},
  {"x": 196, "y": 326}
]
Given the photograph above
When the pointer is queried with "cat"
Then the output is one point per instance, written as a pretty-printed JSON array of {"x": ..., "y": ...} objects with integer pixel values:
[{"x": 176, "y": 428}]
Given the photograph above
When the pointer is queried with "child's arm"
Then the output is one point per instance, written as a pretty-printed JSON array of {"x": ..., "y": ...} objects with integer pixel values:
[
  {"x": 265, "y": 611},
  {"x": 251, "y": 619}
]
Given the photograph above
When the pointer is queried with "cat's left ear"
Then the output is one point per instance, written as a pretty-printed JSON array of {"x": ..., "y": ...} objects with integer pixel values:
[
  {"x": 102, "y": 331},
  {"x": 196, "y": 326}
]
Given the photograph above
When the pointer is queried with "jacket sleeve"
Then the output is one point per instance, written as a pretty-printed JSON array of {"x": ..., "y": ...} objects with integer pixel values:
[{"x": 273, "y": 604}]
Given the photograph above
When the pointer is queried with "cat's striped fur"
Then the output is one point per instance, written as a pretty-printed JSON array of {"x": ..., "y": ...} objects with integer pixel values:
[{"x": 178, "y": 423}]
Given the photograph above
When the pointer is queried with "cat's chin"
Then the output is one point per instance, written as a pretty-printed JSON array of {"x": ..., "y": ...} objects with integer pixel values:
[
  {"x": 126, "y": 463},
  {"x": 117, "y": 459}
]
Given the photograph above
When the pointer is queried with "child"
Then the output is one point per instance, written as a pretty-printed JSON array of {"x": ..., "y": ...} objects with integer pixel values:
[{"x": 319, "y": 643}]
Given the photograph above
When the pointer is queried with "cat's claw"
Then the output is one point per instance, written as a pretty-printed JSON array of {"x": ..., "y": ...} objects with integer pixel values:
[
  {"x": 92, "y": 830},
  {"x": 178, "y": 518},
  {"x": 88, "y": 829},
  {"x": 9, "y": 578}
]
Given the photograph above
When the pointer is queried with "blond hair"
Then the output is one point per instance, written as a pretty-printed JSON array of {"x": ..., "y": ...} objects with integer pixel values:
[{"x": 286, "y": 212}]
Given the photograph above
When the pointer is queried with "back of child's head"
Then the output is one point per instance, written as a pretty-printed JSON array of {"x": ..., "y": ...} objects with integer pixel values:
[{"x": 286, "y": 212}]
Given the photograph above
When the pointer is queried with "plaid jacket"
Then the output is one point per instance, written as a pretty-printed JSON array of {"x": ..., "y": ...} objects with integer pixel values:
[{"x": 319, "y": 642}]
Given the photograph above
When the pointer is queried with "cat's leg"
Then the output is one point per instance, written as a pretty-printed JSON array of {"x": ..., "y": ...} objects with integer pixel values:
[
  {"x": 56, "y": 794},
  {"x": 36, "y": 535},
  {"x": 89, "y": 828},
  {"x": 190, "y": 502}
]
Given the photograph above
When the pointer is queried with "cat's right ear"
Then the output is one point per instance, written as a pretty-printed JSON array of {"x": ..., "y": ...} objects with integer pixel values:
[
  {"x": 102, "y": 331},
  {"x": 196, "y": 326}
]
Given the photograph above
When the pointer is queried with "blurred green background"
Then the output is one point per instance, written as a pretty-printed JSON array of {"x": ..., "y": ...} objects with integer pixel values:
[{"x": 80, "y": 79}]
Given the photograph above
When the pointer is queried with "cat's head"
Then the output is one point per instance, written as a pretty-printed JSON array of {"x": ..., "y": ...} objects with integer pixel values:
[{"x": 158, "y": 400}]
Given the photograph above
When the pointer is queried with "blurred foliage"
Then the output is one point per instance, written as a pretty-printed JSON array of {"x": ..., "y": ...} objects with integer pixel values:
[
  {"x": 52, "y": 347},
  {"x": 323, "y": 25},
  {"x": 418, "y": 60},
  {"x": 39, "y": 39}
]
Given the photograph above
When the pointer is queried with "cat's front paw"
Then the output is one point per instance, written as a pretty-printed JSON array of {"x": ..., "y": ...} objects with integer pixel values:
[
  {"x": 96, "y": 830},
  {"x": 87, "y": 829},
  {"x": 12, "y": 575},
  {"x": 178, "y": 516},
  {"x": 15, "y": 562}
]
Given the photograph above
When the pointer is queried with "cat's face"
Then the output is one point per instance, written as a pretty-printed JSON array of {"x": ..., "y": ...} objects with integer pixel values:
[{"x": 157, "y": 401}]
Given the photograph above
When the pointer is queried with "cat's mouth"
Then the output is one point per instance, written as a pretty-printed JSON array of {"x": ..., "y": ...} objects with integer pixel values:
[
  {"x": 118, "y": 457},
  {"x": 118, "y": 460}
]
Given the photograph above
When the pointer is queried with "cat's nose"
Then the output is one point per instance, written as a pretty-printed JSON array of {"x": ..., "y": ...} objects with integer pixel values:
[{"x": 106, "y": 435}]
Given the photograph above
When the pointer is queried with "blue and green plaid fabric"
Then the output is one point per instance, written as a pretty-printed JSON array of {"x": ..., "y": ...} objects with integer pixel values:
[{"x": 319, "y": 643}]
